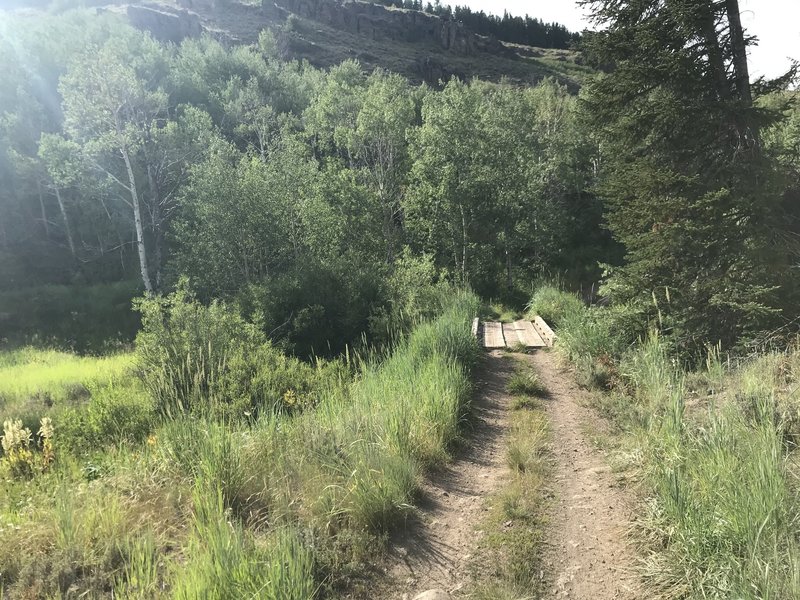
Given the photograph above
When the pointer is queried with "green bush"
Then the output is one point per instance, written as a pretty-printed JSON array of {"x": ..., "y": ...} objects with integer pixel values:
[
  {"x": 119, "y": 413},
  {"x": 554, "y": 305},
  {"x": 196, "y": 358},
  {"x": 415, "y": 292},
  {"x": 317, "y": 310}
]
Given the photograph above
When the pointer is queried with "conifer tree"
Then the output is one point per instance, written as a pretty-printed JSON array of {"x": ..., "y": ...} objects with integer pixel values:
[{"x": 689, "y": 193}]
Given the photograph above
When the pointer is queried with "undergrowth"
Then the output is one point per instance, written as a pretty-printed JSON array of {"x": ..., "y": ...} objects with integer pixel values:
[
  {"x": 716, "y": 449},
  {"x": 241, "y": 491}
]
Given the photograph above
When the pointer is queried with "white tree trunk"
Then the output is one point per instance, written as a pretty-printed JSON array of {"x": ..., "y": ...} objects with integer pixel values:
[
  {"x": 41, "y": 206},
  {"x": 137, "y": 219},
  {"x": 65, "y": 218}
]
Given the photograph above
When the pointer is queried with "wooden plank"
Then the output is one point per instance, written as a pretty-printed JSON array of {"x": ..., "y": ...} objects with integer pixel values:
[
  {"x": 544, "y": 331},
  {"x": 493, "y": 335},
  {"x": 528, "y": 335},
  {"x": 512, "y": 335},
  {"x": 475, "y": 322}
]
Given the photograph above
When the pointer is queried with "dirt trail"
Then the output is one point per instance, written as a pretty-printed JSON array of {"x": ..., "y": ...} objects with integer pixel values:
[
  {"x": 587, "y": 553},
  {"x": 437, "y": 546},
  {"x": 586, "y": 557}
]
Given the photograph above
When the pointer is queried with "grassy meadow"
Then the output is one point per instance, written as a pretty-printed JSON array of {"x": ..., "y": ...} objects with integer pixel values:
[
  {"x": 239, "y": 484},
  {"x": 714, "y": 447}
]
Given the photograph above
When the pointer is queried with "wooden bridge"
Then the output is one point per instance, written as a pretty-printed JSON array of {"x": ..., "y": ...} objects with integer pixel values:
[{"x": 529, "y": 334}]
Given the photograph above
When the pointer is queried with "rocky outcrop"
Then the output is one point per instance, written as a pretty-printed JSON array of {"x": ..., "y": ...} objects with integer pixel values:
[
  {"x": 379, "y": 22},
  {"x": 165, "y": 24}
]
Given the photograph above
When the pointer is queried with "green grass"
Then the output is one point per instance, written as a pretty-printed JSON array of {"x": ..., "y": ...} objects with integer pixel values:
[
  {"x": 511, "y": 554},
  {"x": 39, "y": 380},
  {"x": 553, "y": 305},
  {"x": 498, "y": 311},
  {"x": 283, "y": 505},
  {"x": 726, "y": 513},
  {"x": 716, "y": 454},
  {"x": 526, "y": 383}
]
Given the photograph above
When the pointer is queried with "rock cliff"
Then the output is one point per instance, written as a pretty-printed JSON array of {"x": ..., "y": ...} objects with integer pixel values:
[{"x": 379, "y": 22}]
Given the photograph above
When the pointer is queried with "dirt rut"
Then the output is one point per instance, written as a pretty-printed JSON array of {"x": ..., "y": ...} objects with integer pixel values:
[
  {"x": 587, "y": 554},
  {"x": 438, "y": 544}
]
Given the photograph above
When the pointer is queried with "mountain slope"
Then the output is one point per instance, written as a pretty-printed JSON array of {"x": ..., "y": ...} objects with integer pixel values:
[{"x": 422, "y": 46}]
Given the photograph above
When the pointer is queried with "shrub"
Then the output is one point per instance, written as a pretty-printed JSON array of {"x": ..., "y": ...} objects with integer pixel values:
[
  {"x": 415, "y": 291},
  {"x": 196, "y": 358},
  {"x": 554, "y": 305},
  {"x": 118, "y": 413}
]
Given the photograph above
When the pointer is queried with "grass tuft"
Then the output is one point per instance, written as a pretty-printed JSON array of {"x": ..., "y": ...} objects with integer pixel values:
[{"x": 526, "y": 383}]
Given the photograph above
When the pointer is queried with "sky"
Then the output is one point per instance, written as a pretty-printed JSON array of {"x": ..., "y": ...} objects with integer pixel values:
[{"x": 776, "y": 23}]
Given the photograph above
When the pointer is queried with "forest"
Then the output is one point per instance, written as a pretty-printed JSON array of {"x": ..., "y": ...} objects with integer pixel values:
[
  {"x": 236, "y": 294},
  {"x": 528, "y": 31}
]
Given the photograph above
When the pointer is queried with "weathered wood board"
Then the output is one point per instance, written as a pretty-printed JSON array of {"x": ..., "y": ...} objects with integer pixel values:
[
  {"x": 510, "y": 333},
  {"x": 528, "y": 335},
  {"x": 544, "y": 331},
  {"x": 493, "y": 335}
]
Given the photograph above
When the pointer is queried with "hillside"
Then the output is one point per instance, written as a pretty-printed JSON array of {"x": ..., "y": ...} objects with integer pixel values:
[{"x": 421, "y": 46}]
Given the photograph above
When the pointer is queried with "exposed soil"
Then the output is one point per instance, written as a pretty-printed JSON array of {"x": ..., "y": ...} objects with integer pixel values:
[
  {"x": 438, "y": 544},
  {"x": 586, "y": 555}
]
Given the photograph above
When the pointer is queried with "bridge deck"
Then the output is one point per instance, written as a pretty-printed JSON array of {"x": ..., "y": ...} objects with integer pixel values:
[{"x": 493, "y": 334}]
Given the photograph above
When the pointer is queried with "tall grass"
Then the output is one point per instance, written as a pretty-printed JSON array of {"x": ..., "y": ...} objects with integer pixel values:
[
  {"x": 723, "y": 517},
  {"x": 225, "y": 561},
  {"x": 726, "y": 511},
  {"x": 553, "y": 304},
  {"x": 274, "y": 506},
  {"x": 345, "y": 472}
]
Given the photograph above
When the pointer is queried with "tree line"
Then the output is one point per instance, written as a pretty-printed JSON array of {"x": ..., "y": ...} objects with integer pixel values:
[
  {"x": 305, "y": 196},
  {"x": 317, "y": 200},
  {"x": 526, "y": 30}
]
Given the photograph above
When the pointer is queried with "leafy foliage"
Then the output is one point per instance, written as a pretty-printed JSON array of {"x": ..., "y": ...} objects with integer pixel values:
[{"x": 194, "y": 358}]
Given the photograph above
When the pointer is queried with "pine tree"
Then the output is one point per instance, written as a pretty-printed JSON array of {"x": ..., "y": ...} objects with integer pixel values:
[{"x": 689, "y": 193}]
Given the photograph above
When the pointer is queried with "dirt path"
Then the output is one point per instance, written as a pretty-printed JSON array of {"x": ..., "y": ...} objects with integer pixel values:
[
  {"x": 437, "y": 546},
  {"x": 586, "y": 557},
  {"x": 587, "y": 553}
]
